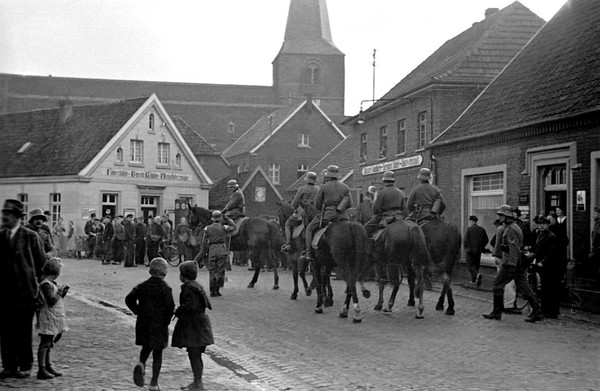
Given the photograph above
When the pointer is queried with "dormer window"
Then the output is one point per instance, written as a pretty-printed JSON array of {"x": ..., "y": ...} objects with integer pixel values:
[
  {"x": 119, "y": 155},
  {"x": 151, "y": 123}
]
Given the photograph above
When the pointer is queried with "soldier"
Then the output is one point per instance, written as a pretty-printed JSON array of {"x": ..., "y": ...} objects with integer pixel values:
[
  {"x": 332, "y": 201},
  {"x": 235, "y": 207},
  {"x": 425, "y": 201},
  {"x": 389, "y": 203},
  {"x": 303, "y": 199},
  {"x": 215, "y": 237}
]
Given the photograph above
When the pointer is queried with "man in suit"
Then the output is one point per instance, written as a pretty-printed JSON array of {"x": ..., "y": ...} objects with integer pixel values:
[
  {"x": 475, "y": 241},
  {"x": 21, "y": 260}
]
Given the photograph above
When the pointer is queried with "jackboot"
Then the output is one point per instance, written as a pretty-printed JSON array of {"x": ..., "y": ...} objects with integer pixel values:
[
  {"x": 496, "y": 313},
  {"x": 43, "y": 374},
  {"x": 49, "y": 367}
]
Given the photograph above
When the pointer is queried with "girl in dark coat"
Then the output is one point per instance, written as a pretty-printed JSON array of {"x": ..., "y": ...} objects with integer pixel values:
[
  {"x": 193, "y": 330},
  {"x": 152, "y": 302}
]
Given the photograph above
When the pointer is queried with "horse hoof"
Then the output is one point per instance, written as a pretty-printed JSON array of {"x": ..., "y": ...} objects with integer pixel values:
[
  {"x": 343, "y": 315},
  {"x": 275, "y": 287},
  {"x": 251, "y": 285},
  {"x": 328, "y": 302},
  {"x": 377, "y": 307},
  {"x": 356, "y": 320},
  {"x": 319, "y": 310},
  {"x": 366, "y": 293},
  {"x": 449, "y": 311},
  {"x": 439, "y": 307},
  {"x": 308, "y": 292},
  {"x": 387, "y": 311},
  {"x": 411, "y": 303},
  {"x": 294, "y": 296},
  {"x": 419, "y": 317}
]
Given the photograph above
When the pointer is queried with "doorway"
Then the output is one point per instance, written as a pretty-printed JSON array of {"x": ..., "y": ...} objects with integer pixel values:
[
  {"x": 554, "y": 182},
  {"x": 149, "y": 206}
]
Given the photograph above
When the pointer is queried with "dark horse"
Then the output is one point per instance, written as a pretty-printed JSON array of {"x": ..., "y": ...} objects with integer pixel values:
[
  {"x": 294, "y": 255},
  {"x": 401, "y": 249},
  {"x": 343, "y": 246},
  {"x": 443, "y": 242},
  {"x": 257, "y": 235}
]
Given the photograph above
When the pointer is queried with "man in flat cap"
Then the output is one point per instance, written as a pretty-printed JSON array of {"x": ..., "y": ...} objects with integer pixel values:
[{"x": 475, "y": 241}]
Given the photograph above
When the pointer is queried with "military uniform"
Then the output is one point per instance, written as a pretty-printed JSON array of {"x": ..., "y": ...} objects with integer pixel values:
[
  {"x": 389, "y": 203},
  {"x": 235, "y": 207},
  {"x": 425, "y": 200},
  {"x": 304, "y": 198},
  {"x": 216, "y": 239},
  {"x": 332, "y": 201}
]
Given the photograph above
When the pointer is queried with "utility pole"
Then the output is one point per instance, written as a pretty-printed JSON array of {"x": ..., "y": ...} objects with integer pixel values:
[{"x": 374, "y": 52}]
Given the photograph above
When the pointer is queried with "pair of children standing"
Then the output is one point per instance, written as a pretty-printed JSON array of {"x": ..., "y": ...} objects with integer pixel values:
[{"x": 152, "y": 302}]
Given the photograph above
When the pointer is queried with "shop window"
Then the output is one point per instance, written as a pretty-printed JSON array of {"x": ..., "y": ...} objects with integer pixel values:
[
  {"x": 401, "y": 141},
  {"x": 163, "y": 154},
  {"x": 136, "y": 150},
  {"x": 274, "y": 173},
  {"x": 55, "y": 201}
]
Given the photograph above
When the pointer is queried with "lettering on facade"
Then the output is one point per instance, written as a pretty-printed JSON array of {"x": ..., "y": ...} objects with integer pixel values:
[
  {"x": 159, "y": 176},
  {"x": 393, "y": 165}
]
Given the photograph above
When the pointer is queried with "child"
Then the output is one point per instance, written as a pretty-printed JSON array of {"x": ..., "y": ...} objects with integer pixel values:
[
  {"x": 152, "y": 302},
  {"x": 193, "y": 330},
  {"x": 51, "y": 321}
]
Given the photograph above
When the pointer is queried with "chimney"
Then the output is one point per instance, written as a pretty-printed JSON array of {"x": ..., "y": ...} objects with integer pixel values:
[
  {"x": 65, "y": 110},
  {"x": 491, "y": 11}
]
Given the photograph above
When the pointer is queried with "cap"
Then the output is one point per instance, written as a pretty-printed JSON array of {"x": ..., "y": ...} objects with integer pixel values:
[
  {"x": 372, "y": 190},
  {"x": 473, "y": 218},
  {"x": 37, "y": 213}
]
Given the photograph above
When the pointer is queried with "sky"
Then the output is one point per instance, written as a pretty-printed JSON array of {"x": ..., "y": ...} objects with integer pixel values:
[{"x": 227, "y": 41}]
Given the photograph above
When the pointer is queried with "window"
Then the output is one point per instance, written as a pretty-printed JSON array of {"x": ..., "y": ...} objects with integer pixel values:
[
  {"x": 163, "y": 154},
  {"x": 488, "y": 182},
  {"x": 556, "y": 175},
  {"x": 302, "y": 168},
  {"x": 109, "y": 204},
  {"x": 274, "y": 173},
  {"x": 383, "y": 142},
  {"x": 24, "y": 198},
  {"x": 231, "y": 127},
  {"x": 312, "y": 74},
  {"x": 55, "y": 199},
  {"x": 119, "y": 155},
  {"x": 422, "y": 129},
  {"x": 401, "y": 141},
  {"x": 485, "y": 193},
  {"x": 148, "y": 201},
  {"x": 151, "y": 123},
  {"x": 303, "y": 140},
  {"x": 363, "y": 148},
  {"x": 178, "y": 160},
  {"x": 136, "y": 151}
]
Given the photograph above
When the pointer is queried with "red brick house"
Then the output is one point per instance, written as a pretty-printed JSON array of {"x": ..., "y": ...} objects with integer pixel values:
[
  {"x": 394, "y": 132},
  {"x": 531, "y": 138},
  {"x": 286, "y": 142}
]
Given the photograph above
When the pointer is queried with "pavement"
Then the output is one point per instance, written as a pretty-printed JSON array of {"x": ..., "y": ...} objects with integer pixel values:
[{"x": 266, "y": 342}]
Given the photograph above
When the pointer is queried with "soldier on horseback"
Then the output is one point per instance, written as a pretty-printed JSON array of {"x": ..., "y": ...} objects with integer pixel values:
[
  {"x": 235, "y": 207},
  {"x": 388, "y": 206},
  {"x": 303, "y": 203},
  {"x": 425, "y": 201},
  {"x": 332, "y": 201}
]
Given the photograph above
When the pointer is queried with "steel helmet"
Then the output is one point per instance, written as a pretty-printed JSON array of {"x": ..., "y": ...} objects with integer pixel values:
[
  {"x": 332, "y": 171},
  {"x": 372, "y": 190},
  {"x": 311, "y": 177},
  {"x": 37, "y": 213},
  {"x": 216, "y": 215},
  {"x": 232, "y": 183},
  {"x": 388, "y": 176},
  {"x": 505, "y": 210},
  {"x": 424, "y": 174}
]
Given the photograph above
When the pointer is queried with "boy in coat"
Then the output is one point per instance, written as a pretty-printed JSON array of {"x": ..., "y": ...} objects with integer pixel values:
[{"x": 152, "y": 302}]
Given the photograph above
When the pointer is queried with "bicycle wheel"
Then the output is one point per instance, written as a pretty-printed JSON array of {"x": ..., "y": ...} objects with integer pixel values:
[{"x": 171, "y": 254}]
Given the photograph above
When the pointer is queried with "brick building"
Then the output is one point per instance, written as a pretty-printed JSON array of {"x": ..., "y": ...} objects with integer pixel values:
[
  {"x": 114, "y": 158},
  {"x": 394, "y": 132},
  {"x": 531, "y": 138}
]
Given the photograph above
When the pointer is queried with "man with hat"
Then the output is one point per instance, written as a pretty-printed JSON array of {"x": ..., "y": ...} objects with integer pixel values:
[
  {"x": 129, "y": 241},
  {"x": 425, "y": 200},
  {"x": 118, "y": 239},
  {"x": 91, "y": 230},
  {"x": 389, "y": 204},
  {"x": 36, "y": 221},
  {"x": 215, "y": 239},
  {"x": 22, "y": 260},
  {"x": 475, "y": 241},
  {"x": 364, "y": 211},
  {"x": 304, "y": 207},
  {"x": 508, "y": 253},
  {"x": 235, "y": 207},
  {"x": 332, "y": 201}
]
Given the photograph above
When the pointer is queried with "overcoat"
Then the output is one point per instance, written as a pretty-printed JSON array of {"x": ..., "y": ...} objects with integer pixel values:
[
  {"x": 152, "y": 302},
  {"x": 193, "y": 328}
]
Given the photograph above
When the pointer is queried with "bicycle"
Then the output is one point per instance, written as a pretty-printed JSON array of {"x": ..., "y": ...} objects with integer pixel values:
[
  {"x": 533, "y": 279},
  {"x": 170, "y": 254}
]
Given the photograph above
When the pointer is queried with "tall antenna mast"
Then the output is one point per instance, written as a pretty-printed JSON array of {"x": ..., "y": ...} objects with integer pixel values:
[{"x": 374, "y": 52}]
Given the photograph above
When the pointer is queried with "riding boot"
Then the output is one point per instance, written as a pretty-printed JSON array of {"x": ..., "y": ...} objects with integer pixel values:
[
  {"x": 498, "y": 308},
  {"x": 43, "y": 374},
  {"x": 211, "y": 284}
]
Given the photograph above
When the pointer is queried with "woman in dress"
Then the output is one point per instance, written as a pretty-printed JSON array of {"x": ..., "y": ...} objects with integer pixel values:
[{"x": 60, "y": 231}]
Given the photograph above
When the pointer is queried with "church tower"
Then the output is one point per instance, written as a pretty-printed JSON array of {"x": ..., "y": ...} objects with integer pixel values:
[{"x": 308, "y": 62}]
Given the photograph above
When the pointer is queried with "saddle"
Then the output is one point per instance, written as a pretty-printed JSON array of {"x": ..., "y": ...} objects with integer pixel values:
[
  {"x": 298, "y": 231},
  {"x": 238, "y": 224},
  {"x": 318, "y": 235}
]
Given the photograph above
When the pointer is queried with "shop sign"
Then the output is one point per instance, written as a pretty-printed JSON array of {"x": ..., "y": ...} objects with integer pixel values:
[
  {"x": 260, "y": 194},
  {"x": 149, "y": 175},
  {"x": 393, "y": 165},
  {"x": 86, "y": 212}
]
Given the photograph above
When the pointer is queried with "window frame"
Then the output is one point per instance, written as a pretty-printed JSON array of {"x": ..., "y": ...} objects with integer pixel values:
[
  {"x": 151, "y": 123},
  {"x": 163, "y": 159},
  {"x": 383, "y": 141},
  {"x": 55, "y": 207},
  {"x": 274, "y": 173},
  {"x": 363, "y": 156},
  {"x": 422, "y": 129},
  {"x": 301, "y": 169},
  {"x": 401, "y": 135},
  {"x": 132, "y": 152},
  {"x": 303, "y": 140}
]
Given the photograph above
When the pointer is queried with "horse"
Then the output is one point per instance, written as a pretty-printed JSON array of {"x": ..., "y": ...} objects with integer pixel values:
[
  {"x": 443, "y": 242},
  {"x": 294, "y": 255},
  {"x": 257, "y": 235},
  {"x": 401, "y": 249},
  {"x": 343, "y": 246}
]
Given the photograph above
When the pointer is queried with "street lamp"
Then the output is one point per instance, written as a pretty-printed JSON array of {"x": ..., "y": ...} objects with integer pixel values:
[{"x": 361, "y": 114}]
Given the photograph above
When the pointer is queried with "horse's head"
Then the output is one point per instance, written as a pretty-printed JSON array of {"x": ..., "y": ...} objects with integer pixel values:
[
  {"x": 198, "y": 215},
  {"x": 284, "y": 211}
]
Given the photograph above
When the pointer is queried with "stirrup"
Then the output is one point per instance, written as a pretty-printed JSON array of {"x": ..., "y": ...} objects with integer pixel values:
[{"x": 286, "y": 247}]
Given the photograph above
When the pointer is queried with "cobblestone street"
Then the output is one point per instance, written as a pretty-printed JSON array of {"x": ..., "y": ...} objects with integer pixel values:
[{"x": 265, "y": 341}]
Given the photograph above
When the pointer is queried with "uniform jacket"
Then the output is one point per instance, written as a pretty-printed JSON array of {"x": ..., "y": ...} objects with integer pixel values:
[
  {"x": 509, "y": 241},
  {"x": 216, "y": 238},
  {"x": 236, "y": 202},
  {"x": 475, "y": 239},
  {"x": 21, "y": 261},
  {"x": 424, "y": 195},
  {"x": 390, "y": 200},
  {"x": 152, "y": 302},
  {"x": 193, "y": 328},
  {"x": 330, "y": 195},
  {"x": 305, "y": 195}
]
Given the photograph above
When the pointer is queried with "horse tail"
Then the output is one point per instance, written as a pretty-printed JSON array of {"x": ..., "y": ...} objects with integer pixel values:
[
  {"x": 453, "y": 253},
  {"x": 418, "y": 246},
  {"x": 359, "y": 238}
]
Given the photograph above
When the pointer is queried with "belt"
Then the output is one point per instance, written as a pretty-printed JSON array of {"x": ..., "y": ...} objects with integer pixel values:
[
  {"x": 396, "y": 208},
  {"x": 332, "y": 203},
  {"x": 221, "y": 242}
]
